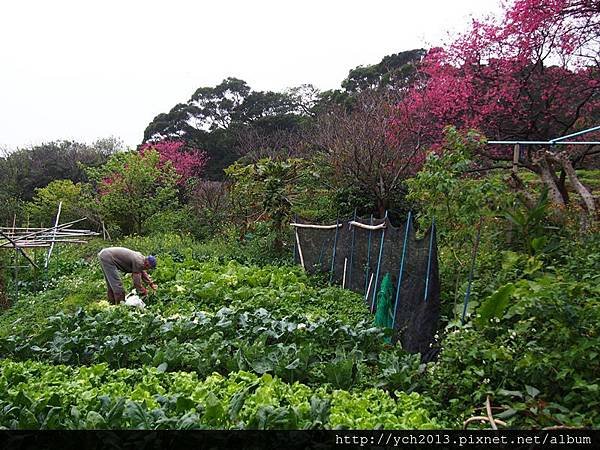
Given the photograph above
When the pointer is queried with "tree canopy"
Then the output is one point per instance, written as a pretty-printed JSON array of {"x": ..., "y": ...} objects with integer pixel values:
[
  {"x": 222, "y": 120},
  {"x": 532, "y": 74}
]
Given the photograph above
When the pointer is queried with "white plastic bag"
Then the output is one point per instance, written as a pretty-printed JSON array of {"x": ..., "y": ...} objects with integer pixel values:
[{"x": 132, "y": 299}]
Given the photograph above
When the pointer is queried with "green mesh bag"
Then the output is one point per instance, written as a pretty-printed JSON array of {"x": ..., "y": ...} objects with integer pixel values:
[{"x": 384, "y": 313}]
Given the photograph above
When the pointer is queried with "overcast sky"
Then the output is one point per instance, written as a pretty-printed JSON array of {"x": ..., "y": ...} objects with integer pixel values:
[{"x": 84, "y": 70}]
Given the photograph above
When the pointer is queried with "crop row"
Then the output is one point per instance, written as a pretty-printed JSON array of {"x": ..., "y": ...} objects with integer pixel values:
[
  {"x": 39, "y": 396},
  {"x": 285, "y": 291},
  {"x": 324, "y": 351}
]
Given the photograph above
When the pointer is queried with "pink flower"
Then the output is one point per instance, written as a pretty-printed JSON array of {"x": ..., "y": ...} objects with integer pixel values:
[{"x": 186, "y": 161}]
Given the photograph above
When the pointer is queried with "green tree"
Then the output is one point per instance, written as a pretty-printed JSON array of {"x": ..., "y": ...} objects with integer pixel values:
[
  {"x": 27, "y": 169},
  {"x": 230, "y": 120},
  {"x": 397, "y": 70},
  {"x": 449, "y": 189},
  {"x": 394, "y": 73},
  {"x": 75, "y": 198},
  {"x": 133, "y": 188},
  {"x": 267, "y": 191}
]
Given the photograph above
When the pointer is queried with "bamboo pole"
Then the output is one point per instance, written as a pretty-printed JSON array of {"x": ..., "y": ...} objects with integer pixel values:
[
  {"x": 368, "y": 227},
  {"x": 299, "y": 249},
  {"x": 318, "y": 227},
  {"x": 16, "y": 247},
  {"x": 369, "y": 288},
  {"x": 49, "y": 254},
  {"x": 43, "y": 230}
]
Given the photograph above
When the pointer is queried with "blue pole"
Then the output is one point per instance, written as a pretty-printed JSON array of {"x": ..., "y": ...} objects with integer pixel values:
[
  {"x": 474, "y": 256},
  {"x": 337, "y": 222},
  {"x": 429, "y": 258},
  {"x": 368, "y": 257},
  {"x": 351, "y": 253},
  {"x": 406, "y": 229},
  {"x": 378, "y": 265},
  {"x": 325, "y": 242},
  {"x": 589, "y": 130}
]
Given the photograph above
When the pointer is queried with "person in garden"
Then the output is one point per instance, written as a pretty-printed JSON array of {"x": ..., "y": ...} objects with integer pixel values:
[{"x": 115, "y": 259}]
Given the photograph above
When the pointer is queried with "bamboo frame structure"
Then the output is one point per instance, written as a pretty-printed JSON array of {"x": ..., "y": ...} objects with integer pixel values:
[{"x": 18, "y": 239}]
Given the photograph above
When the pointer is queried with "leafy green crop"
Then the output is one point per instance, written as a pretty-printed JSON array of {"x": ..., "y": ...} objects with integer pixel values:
[
  {"x": 227, "y": 345},
  {"x": 38, "y": 396},
  {"x": 325, "y": 351}
]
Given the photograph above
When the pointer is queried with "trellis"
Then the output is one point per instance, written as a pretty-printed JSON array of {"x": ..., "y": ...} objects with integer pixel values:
[{"x": 19, "y": 239}]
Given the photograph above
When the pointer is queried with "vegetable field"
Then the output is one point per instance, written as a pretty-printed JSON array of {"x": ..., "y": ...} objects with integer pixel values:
[
  {"x": 223, "y": 344},
  {"x": 453, "y": 191},
  {"x": 220, "y": 346}
]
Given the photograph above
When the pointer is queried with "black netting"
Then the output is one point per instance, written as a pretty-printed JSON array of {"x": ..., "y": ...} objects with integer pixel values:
[{"x": 359, "y": 250}]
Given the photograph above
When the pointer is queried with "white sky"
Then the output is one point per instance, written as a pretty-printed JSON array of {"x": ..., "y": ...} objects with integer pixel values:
[{"x": 84, "y": 70}]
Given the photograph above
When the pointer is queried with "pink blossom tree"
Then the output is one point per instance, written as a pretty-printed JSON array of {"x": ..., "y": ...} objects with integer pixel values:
[
  {"x": 187, "y": 162},
  {"x": 533, "y": 74}
]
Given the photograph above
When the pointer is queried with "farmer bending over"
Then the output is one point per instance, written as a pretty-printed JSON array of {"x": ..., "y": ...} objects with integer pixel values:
[{"x": 113, "y": 259}]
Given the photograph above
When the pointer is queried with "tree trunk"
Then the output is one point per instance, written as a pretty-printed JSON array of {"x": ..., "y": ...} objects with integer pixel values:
[
  {"x": 557, "y": 212},
  {"x": 549, "y": 179},
  {"x": 584, "y": 193},
  {"x": 562, "y": 186},
  {"x": 381, "y": 207}
]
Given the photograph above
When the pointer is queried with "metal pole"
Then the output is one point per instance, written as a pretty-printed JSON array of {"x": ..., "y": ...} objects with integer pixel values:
[
  {"x": 429, "y": 258},
  {"x": 546, "y": 142},
  {"x": 368, "y": 257},
  {"x": 399, "y": 285},
  {"x": 378, "y": 265},
  {"x": 337, "y": 222},
  {"x": 474, "y": 256},
  {"x": 589, "y": 130}
]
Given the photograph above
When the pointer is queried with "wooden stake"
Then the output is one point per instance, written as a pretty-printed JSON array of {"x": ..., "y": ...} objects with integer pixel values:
[
  {"x": 369, "y": 288},
  {"x": 299, "y": 249}
]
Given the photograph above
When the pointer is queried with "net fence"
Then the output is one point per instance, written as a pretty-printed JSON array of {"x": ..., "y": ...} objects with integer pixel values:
[{"x": 358, "y": 253}]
